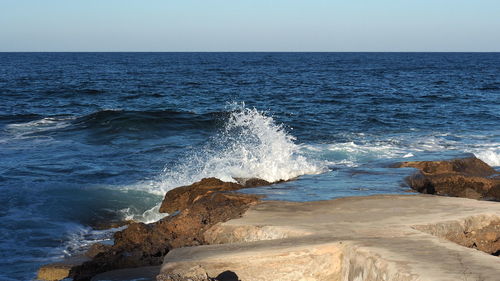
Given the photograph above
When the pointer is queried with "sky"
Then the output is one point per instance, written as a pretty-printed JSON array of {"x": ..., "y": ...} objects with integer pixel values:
[{"x": 253, "y": 25}]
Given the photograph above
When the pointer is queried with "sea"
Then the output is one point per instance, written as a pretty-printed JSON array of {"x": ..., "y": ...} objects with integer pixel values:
[{"x": 88, "y": 138}]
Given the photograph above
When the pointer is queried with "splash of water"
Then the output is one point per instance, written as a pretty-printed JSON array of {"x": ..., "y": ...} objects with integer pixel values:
[
  {"x": 148, "y": 216},
  {"x": 251, "y": 145},
  {"x": 490, "y": 156}
]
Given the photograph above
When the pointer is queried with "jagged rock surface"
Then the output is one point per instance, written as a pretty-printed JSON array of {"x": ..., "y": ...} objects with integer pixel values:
[
  {"x": 197, "y": 208},
  {"x": 466, "y": 177}
]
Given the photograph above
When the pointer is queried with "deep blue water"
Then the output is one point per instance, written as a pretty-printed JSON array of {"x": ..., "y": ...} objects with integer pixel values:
[{"x": 91, "y": 137}]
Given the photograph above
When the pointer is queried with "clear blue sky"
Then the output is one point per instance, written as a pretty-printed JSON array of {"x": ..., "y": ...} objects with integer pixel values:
[{"x": 253, "y": 25}]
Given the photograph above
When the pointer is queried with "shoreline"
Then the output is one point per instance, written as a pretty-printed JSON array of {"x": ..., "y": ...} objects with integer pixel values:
[
  {"x": 201, "y": 209},
  {"x": 356, "y": 238}
]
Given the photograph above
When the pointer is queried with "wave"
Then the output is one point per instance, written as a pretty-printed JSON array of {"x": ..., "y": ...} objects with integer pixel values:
[
  {"x": 490, "y": 156},
  {"x": 250, "y": 145},
  {"x": 113, "y": 123},
  {"x": 40, "y": 126},
  {"x": 120, "y": 120}
]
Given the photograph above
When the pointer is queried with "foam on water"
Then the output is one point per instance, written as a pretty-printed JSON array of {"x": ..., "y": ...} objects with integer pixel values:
[
  {"x": 251, "y": 145},
  {"x": 29, "y": 238},
  {"x": 148, "y": 216},
  {"x": 489, "y": 155},
  {"x": 351, "y": 154},
  {"x": 396, "y": 148},
  {"x": 36, "y": 126}
]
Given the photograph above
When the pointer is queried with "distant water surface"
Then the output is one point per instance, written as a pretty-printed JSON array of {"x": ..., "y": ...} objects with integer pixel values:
[{"x": 92, "y": 137}]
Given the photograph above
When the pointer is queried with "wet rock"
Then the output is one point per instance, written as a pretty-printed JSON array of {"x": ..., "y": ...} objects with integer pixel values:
[
  {"x": 53, "y": 272},
  {"x": 111, "y": 224},
  {"x": 470, "y": 166},
  {"x": 64, "y": 269},
  {"x": 466, "y": 177},
  {"x": 252, "y": 182},
  {"x": 60, "y": 270},
  {"x": 182, "y": 197},
  {"x": 96, "y": 249},
  {"x": 199, "y": 207}
]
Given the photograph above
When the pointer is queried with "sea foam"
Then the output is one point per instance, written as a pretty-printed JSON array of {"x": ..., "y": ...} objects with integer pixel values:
[
  {"x": 250, "y": 145},
  {"x": 490, "y": 156}
]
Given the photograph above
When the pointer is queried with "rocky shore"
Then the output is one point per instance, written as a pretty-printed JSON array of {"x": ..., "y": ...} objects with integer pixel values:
[
  {"x": 329, "y": 240},
  {"x": 465, "y": 177},
  {"x": 193, "y": 209}
]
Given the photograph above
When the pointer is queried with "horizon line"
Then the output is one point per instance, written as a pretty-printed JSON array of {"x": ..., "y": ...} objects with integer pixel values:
[{"x": 249, "y": 51}]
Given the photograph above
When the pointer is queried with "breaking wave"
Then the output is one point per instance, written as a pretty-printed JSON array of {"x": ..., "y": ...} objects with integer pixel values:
[
  {"x": 490, "y": 156},
  {"x": 250, "y": 145}
]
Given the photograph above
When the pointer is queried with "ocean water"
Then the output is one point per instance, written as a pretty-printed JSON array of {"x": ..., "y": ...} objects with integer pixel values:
[{"x": 91, "y": 137}]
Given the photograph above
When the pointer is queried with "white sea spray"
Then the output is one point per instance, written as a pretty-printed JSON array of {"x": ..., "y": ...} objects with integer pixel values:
[{"x": 251, "y": 145}]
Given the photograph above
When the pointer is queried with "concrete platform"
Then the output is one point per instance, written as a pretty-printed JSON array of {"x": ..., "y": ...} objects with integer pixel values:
[{"x": 400, "y": 237}]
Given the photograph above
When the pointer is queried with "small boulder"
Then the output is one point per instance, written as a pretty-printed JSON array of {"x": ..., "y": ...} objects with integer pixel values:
[
  {"x": 251, "y": 182},
  {"x": 470, "y": 166},
  {"x": 54, "y": 272},
  {"x": 60, "y": 270},
  {"x": 465, "y": 177},
  {"x": 182, "y": 197}
]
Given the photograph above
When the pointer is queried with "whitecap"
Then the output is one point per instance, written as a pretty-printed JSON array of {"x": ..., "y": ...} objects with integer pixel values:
[
  {"x": 250, "y": 145},
  {"x": 489, "y": 156},
  {"x": 148, "y": 216},
  {"x": 28, "y": 129}
]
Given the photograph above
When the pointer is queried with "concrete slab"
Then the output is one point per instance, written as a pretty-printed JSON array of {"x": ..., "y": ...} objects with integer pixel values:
[{"x": 392, "y": 237}]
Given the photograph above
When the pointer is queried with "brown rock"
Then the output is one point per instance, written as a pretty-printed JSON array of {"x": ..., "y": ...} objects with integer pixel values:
[
  {"x": 111, "y": 224},
  {"x": 486, "y": 239},
  {"x": 466, "y": 177},
  {"x": 53, "y": 272},
  {"x": 96, "y": 249},
  {"x": 252, "y": 182},
  {"x": 60, "y": 270},
  {"x": 182, "y": 197},
  {"x": 200, "y": 206},
  {"x": 470, "y": 166}
]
